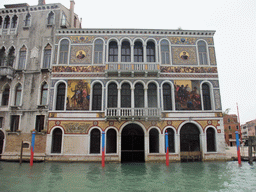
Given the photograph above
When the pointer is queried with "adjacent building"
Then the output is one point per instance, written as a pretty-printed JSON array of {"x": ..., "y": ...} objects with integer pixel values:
[
  {"x": 231, "y": 125},
  {"x": 26, "y": 52},
  {"x": 248, "y": 129},
  {"x": 128, "y": 86}
]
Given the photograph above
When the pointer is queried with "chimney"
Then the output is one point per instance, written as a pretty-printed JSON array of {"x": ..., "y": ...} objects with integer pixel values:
[
  {"x": 72, "y": 7},
  {"x": 41, "y": 2}
]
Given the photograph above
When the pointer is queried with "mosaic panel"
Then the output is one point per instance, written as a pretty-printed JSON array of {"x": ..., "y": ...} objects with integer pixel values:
[
  {"x": 187, "y": 95},
  {"x": 188, "y": 40},
  {"x": 92, "y": 69},
  {"x": 78, "y": 95},
  {"x": 189, "y": 56},
  {"x": 82, "y": 39},
  {"x": 165, "y": 69},
  {"x": 77, "y": 127},
  {"x": 189, "y": 75},
  {"x": 217, "y": 99},
  {"x": 81, "y": 54},
  {"x": 212, "y": 56}
]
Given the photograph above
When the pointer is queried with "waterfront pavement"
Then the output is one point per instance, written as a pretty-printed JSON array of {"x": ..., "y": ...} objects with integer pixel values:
[{"x": 231, "y": 152}]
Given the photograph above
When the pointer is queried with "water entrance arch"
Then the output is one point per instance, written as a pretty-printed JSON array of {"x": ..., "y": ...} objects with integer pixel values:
[
  {"x": 132, "y": 144},
  {"x": 190, "y": 143}
]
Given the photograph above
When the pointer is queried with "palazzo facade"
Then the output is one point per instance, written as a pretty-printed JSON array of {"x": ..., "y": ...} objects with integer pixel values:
[{"x": 133, "y": 86}]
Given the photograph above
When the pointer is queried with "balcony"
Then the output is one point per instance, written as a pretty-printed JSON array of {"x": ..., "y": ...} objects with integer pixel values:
[
  {"x": 133, "y": 113},
  {"x": 6, "y": 71},
  {"x": 138, "y": 69}
]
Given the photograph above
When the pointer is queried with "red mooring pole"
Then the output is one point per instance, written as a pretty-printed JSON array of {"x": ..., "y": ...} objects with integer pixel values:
[
  {"x": 167, "y": 148},
  {"x": 103, "y": 149},
  {"x": 238, "y": 118}
]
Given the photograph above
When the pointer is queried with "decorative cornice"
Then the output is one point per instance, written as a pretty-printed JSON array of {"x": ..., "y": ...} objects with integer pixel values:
[
  {"x": 18, "y": 9},
  {"x": 157, "y": 32}
]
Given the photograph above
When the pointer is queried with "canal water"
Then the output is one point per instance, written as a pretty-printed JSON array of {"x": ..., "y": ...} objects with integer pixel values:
[{"x": 197, "y": 176}]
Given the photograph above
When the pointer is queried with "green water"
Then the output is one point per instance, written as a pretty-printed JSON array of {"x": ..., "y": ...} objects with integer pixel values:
[{"x": 210, "y": 176}]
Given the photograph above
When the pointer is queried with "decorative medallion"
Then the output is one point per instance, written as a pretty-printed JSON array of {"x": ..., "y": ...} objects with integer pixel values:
[
  {"x": 169, "y": 122},
  {"x": 209, "y": 122},
  {"x": 153, "y": 123},
  {"x": 80, "y": 54},
  {"x": 111, "y": 123},
  {"x": 95, "y": 123},
  {"x": 57, "y": 122},
  {"x": 184, "y": 55},
  {"x": 219, "y": 131}
]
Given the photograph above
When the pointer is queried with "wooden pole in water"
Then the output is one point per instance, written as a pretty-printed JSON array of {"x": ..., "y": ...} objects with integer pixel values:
[
  {"x": 167, "y": 148},
  {"x": 21, "y": 150},
  {"x": 103, "y": 149},
  {"x": 32, "y": 148},
  {"x": 238, "y": 148},
  {"x": 238, "y": 118}
]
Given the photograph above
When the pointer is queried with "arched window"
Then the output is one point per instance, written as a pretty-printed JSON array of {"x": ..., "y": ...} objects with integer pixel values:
[
  {"x": 210, "y": 136},
  {"x": 22, "y": 58},
  {"x": 6, "y": 22},
  {"x": 50, "y": 19},
  {"x": 139, "y": 95},
  {"x": 206, "y": 96},
  {"x": 56, "y": 140},
  {"x": 44, "y": 93},
  {"x": 126, "y": 52},
  {"x": 167, "y": 96},
  {"x": 152, "y": 95},
  {"x": 165, "y": 52},
  {"x": 153, "y": 141},
  {"x": 171, "y": 140},
  {"x": 11, "y": 57},
  {"x": 126, "y": 95},
  {"x": 113, "y": 52},
  {"x": 18, "y": 90},
  {"x": 151, "y": 57},
  {"x": 63, "y": 56},
  {"x": 14, "y": 21},
  {"x": 47, "y": 56},
  {"x": 112, "y": 95},
  {"x": 138, "y": 52},
  {"x": 202, "y": 53},
  {"x": 60, "y": 100},
  {"x": 2, "y": 57},
  {"x": 95, "y": 141},
  {"x": 5, "y": 97},
  {"x": 97, "y": 97},
  {"x": 98, "y": 51},
  {"x": 28, "y": 20},
  {"x": 111, "y": 141}
]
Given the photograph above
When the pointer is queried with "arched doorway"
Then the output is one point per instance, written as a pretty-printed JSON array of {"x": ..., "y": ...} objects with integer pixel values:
[
  {"x": 1, "y": 142},
  {"x": 190, "y": 143},
  {"x": 132, "y": 144},
  {"x": 56, "y": 140}
]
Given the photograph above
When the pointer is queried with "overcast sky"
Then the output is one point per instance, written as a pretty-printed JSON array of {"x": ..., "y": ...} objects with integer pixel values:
[{"x": 235, "y": 37}]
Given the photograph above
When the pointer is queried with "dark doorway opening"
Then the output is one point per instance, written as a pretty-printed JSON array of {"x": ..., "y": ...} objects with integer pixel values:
[
  {"x": 190, "y": 143},
  {"x": 132, "y": 144},
  {"x": 1, "y": 142},
  {"x": 56, "y": 140}
]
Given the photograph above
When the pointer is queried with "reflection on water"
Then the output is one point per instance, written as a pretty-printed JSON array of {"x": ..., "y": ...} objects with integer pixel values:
[{"x": 199, "y": 176}]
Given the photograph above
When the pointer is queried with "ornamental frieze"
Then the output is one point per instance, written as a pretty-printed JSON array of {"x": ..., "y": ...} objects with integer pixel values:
[
  {"x": 93, "y": 69},
  {"x": 188, "y": 40},
  {"x": 76, "y": 127},
  {"x": 169, "y": 69}
]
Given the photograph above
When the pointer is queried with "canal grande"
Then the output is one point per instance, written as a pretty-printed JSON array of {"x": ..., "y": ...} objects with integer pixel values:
[{"x": 197, "y": 176}]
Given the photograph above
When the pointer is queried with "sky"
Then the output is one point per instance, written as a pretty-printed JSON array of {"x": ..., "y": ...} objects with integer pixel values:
[{"x": 235, "y": 37}]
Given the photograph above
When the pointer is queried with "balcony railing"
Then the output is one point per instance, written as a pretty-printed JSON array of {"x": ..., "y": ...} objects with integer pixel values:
[
  {"x": 6, "y": 71},
  {"x": 133, "y": 113},
  {"x": 129, "y": 68}
]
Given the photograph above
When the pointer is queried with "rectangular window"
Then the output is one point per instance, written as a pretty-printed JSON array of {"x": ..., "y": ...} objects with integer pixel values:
[
  {"x": 229, "y": 127},
  {"x": 22, "y": 60},
  {"x": 39, "y": 123},
  {"x": 47, "y": 58},
  {"x": 15, "y": 123},
  {"x": 230, "y": 136}
]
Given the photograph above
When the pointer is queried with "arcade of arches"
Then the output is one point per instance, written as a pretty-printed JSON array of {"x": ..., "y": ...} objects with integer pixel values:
[{"x": 133, "y": 141}]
